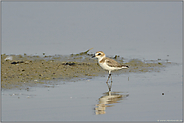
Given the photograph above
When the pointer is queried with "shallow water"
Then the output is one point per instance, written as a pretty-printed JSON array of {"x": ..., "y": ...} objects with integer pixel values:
[{"x": 142, "y": 99}]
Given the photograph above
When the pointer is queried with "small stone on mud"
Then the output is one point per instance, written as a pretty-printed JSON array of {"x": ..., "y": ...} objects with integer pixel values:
[{"x": 70, "y": 64}]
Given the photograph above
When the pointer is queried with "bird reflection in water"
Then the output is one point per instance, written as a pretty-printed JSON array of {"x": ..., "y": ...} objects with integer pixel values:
[{"x": 108, "y": 99}]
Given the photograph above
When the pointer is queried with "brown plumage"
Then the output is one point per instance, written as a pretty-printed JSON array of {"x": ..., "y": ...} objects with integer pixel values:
[{"x": 111, "y": 62}]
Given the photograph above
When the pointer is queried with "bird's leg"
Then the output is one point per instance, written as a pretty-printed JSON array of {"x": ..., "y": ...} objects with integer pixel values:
[
  {"x": 110, "y": 88},
  {"x": 111, "y": 81},
  {"x": 108, "y": 78}
]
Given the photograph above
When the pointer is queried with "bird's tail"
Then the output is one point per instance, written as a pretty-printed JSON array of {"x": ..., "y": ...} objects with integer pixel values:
[{"x": 125, "y": 66}]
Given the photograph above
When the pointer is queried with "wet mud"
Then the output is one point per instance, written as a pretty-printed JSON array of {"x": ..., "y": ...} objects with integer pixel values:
[{"x": 23, "y": 71}]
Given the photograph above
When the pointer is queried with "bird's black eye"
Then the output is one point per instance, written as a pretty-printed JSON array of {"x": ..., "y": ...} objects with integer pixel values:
[{"x": 99, "y": 54}]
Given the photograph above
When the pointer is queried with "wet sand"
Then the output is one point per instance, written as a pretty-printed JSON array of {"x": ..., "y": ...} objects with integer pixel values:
[{"x": 23, "y": 71}]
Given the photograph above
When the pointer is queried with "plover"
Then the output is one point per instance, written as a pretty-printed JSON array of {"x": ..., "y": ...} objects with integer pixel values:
[{"x": 107, "y": 63}]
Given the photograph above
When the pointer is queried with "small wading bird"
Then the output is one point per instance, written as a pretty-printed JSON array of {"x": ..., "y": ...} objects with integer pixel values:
[{"x": 107, "y": 63}]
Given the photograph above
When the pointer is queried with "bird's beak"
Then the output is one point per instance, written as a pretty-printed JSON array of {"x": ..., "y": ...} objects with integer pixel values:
[{"x": 93, "y": 56}]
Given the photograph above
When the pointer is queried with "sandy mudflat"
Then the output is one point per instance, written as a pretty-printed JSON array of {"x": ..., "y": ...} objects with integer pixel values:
[{"x": 23, "y": 71}]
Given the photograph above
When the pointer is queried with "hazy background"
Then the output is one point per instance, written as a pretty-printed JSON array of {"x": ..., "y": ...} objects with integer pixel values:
[
  {"x": 148, "y": 30},
  {"x": 145, "y": 30}
]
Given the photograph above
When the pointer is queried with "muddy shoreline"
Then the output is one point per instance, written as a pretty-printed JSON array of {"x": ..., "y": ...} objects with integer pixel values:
[{"x": 23, "y": 71}]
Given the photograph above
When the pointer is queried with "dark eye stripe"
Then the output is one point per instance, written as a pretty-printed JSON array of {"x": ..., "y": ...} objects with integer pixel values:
[{"x": 99, "y": 53}]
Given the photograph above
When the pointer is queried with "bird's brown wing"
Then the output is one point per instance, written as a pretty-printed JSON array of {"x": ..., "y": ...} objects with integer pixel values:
[{"x": 112, "y": 63}]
